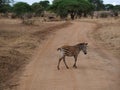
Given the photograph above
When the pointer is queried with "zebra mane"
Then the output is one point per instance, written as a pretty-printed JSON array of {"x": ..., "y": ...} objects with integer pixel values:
[{"x": 80, "y": 44}]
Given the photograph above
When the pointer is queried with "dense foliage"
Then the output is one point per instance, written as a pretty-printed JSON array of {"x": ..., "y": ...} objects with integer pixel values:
[
  {"x": 98, "y": 4},
  {"x": 21, "y": 8},
  {"x": 71, "y": 7},
  {"x": 4, "y": 5},
  {"x": 39, "y": 8}
]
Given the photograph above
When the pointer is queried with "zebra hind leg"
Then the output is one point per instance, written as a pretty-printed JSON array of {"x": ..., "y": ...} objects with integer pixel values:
[{"x": 59, "y": 63}]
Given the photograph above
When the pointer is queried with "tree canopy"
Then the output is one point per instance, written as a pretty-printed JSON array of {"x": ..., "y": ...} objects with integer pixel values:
[
  {"x": 45, "y": 4},
  {"x": 109, "y": 7},
  {"x": 98, "y": 4},
  {"x": 37, "y": 9},
  {"x": 71, "y": 7},
  {"x": 116, "y": 8},
  {"x": 4, "y": 5},
  {"x": 21, "y": 8}
]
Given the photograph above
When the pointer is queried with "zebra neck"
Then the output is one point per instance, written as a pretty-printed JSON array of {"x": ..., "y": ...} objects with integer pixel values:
[{"x": 79, "y": 48}]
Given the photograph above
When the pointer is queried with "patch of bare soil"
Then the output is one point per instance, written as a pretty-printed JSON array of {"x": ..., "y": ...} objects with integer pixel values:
[{"x": 17, "y": 43}]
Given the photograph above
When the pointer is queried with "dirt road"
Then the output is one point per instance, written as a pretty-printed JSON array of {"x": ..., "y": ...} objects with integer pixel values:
[{"x": 98, "y": 70}]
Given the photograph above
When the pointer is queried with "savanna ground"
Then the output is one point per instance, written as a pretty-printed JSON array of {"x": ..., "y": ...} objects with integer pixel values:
[
  {"x": 107, "y": 33},
  {"x": 19, "y": 42}
]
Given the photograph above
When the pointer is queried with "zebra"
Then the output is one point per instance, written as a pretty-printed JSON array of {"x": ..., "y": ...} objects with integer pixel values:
[{"x": 70, "y": 51}]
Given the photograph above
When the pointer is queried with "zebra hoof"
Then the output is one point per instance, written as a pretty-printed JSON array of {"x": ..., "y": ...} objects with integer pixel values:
[
  {"x": 58, "y": 68},
  {"x": 67, "y": 67},
  {"x": 74, "y": 66}
]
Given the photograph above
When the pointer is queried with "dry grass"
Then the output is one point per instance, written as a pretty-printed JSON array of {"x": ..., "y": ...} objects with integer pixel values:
[
  {"x": 17, "y": 43},
  {"x": 108, "y": 34}
]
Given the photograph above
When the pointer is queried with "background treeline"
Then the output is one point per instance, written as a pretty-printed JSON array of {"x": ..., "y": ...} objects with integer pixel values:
[{"x": 62, "y": 8}]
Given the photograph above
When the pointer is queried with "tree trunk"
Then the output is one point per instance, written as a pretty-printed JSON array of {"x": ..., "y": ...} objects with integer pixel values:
[{"x": 72, "y": 16}]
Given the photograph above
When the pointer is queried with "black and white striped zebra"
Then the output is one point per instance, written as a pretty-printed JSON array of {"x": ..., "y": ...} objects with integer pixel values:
[{"x": 70, "y": 51}]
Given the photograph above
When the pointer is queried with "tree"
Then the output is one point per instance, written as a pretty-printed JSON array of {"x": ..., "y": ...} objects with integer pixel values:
[
  {"x": 71, "y": 7},
  {"x": 59, "y": 7},
  {"x": 21, "y": 8},
  {"x": 85, "y": 7},
  {"x": 5, "y": 8},
  {"x": 45, "y": 4},
  {"x": 116, "y": 8},
  {"x": 2, "y": 2},
  {"x": 4, "y": 5},
  {"x": 109, "y": 7},
  {"x": 37, "y": 9},
  {"x": 98, "y": 4}
]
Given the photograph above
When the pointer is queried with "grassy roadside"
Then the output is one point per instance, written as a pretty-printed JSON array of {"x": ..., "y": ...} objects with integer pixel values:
[
  {"x": 17, "y": 43},
  {"x": 109, "y": 37},
  {"x": 108, "y": 34}
]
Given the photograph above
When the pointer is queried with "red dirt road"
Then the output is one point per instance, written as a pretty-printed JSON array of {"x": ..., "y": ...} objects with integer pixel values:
[{"x": 98, "y": 70}]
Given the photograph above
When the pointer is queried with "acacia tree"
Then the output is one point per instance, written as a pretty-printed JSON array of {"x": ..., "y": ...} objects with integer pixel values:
[
  {"x": 37, "y": 9},
  {"x": 45, "y": 4},
  {"x": 58, "y": 7},
  {"x": 70, "y": 7},
  {"x": 98, "y": 4},
  {"x": 4, "y": 5},
  {"x": 21, "y": 8},
  {"x": 6, "y": 8},
  {"x": 85, "y": 7},
  {"x": 109, "y": 7},
  {"x": 117, "y": 8},
  {"x": 2, "y": 2}
]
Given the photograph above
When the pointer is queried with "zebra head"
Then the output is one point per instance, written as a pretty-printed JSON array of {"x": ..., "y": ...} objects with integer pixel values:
[{"x": 83, "y": 47}]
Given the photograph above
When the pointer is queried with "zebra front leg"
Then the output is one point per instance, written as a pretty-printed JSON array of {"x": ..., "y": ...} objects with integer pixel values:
[
  {"x": 75, "y": 57},
  {"x": 65, "y": 63},
  {"x": 59, "y": 63}
]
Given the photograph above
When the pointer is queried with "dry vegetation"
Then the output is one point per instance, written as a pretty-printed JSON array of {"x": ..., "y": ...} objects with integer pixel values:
[
  {"x": 108, "y": 34},
  {"x": 17, "y": 43}
]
